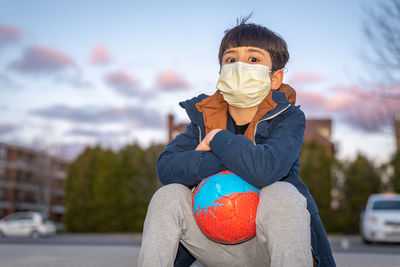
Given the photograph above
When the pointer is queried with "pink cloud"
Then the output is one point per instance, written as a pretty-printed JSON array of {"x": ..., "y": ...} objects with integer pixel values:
[
  {"x": 358, "y": 107},
  {"x": 342, "y": 102},
  {"x": 38, "y": 59},
  {"x": 304, "y": 77},
  {"x": 354, "y": 90},
  {"x": 311, "y": 100},
  {"x": 372, "y": 114},
  {"x": 123, "y": 82},
  {"x": 171, "y": 80},
  {"x": 9, "y": 34},
  {"x": 100, "y": 55}
]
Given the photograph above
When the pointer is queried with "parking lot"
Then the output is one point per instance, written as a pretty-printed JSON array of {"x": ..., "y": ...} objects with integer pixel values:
[{"x": 123, "y": 249}]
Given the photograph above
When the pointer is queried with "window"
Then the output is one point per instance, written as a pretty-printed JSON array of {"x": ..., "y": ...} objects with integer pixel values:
[
  {"x": 386, "y": 205},
  {"x": 44, "y": 218},
  {"x": 3, "y": 152},
  {"x": 11, "y": 217},
  {"x": 3, "y": 158},
  {"x": 25, "y": 217}
]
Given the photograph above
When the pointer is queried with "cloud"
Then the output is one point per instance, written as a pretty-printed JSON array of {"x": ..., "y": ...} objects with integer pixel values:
[
  {"x": 342, "y": 101},
  {"x": 75, "y": 80},
  {"x": 371, "y": 114},
  {"x": 100, "y": 55},
  {"x": 96, "y": 133},
  {"x": 6, "y": 128},
  {"x": 124, "y": 83},
  {"x": 359, "y": 108},
  {"x": 68, "y": 151},
  {"x": 134, "y": 116},
  {"x": 6, "y": 82},
  {"x": 39, "y": 59},
  {"x": 49, "y": 61},
  {"x": 311, "y": 100},
  {"x": 171, "y": 80},
  {"x": 9, "y": 35},
  {"x": 304, "y": 77}
]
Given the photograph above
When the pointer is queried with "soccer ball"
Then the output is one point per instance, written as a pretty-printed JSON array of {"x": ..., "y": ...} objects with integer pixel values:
[{"x": 225, "y": 208}]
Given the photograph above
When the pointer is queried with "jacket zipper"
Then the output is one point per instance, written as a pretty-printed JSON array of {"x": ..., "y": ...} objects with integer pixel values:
[
  {"x": 199, "y": 133},
  {"x": 269, "y": 118}
]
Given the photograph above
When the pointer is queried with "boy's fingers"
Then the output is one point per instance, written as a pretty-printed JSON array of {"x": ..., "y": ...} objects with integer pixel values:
[{"x": 203, "y": 147}]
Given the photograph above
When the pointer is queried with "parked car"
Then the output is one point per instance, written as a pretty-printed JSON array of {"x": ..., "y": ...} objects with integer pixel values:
[
  {"x": 380, "y": 221},
  {"x": 33, "y": 224}
]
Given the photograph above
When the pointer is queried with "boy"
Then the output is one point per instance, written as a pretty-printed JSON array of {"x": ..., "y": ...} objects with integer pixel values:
[{"x": 251, "y": 127}]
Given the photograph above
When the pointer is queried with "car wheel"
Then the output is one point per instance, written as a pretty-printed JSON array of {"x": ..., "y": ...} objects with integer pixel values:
[
  {"x": 35, "y": 235},
  {"x": 365, "y": 240}
]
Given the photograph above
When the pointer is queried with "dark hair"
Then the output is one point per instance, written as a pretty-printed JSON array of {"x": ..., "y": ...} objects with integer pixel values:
[{"x": 249, "y": 34}]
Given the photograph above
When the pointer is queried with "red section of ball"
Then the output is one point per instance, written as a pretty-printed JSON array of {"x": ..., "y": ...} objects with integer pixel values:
[{"x": 233, "y": 221}]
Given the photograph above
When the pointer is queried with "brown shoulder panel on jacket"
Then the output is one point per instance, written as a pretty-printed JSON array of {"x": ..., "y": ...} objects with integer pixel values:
[{"x": 289, "y": 91}]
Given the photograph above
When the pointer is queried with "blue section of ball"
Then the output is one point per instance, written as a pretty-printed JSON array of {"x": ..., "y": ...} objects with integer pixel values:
[{"x": 216, "y": 186}]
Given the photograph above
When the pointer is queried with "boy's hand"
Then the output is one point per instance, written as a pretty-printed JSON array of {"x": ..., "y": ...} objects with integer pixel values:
[{"x": 205, "y": 143}]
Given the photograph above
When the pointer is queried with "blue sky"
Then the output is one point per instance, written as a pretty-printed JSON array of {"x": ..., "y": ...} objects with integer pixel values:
[{"x": 85, "y": 72}]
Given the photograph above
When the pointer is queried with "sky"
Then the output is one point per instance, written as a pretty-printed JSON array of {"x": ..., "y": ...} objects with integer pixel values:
[{"x": 77, "y": 73}]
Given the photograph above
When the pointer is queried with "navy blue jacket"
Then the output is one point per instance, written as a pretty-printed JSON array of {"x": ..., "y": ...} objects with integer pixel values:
[{"x": 274, "y": 156}]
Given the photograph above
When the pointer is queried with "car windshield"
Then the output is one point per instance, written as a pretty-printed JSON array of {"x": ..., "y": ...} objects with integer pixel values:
[
  {"x": 386, "y": 205},
  {"x": 18, "y": 216},
  {"x": 44, "y": 218}
]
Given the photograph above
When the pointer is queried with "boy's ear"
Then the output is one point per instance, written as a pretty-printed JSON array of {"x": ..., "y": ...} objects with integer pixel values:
[{"x": 276, "y": 80}]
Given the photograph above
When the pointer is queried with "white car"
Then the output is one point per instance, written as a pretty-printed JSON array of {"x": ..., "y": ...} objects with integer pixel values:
[
  {"x": 380, "y": 222},
  {"x": 33, "y": 224}
]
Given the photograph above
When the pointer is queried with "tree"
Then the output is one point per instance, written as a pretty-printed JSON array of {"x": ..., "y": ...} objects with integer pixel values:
[
  {"x": 382, "y": 30},
  {"x": 137, "y": 172},
  {"x": 316, "y": 172},
  {"x": 361, "y": 180},
  {"x": 394, "y": 164},
  {"x": 110, "y": 191},
  {"x": 79, "y": 197}
]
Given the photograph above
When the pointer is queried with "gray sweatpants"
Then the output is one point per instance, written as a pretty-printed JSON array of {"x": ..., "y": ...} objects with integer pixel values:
[{"x": 283, "y": 231}]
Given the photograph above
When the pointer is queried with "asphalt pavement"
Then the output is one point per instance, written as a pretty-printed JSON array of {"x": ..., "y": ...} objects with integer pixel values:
[{"x": 65, "y": 250}]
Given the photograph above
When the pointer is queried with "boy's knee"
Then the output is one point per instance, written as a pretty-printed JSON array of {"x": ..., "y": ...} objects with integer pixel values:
[
  {"x": 280, "y": 198},
  {"x": 281, "y": 194},
  {"x": 170, "y": 194}
]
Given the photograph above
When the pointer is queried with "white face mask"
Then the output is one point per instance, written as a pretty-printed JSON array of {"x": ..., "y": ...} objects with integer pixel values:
[{"x": 244, "y": 85}]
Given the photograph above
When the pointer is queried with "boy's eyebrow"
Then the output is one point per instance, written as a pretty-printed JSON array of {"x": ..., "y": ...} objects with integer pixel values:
[
  {"x": 255, "y": 50},
  {"x": 229, "y": 51}
]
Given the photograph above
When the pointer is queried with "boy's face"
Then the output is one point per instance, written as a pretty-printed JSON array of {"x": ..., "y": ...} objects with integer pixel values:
[
  {"x": 247, "y": 54},
  {"x": 253, "y": 55}
]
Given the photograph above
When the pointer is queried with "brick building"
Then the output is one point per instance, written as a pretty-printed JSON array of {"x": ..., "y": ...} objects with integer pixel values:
[
  {"x": 396, "y": 124},
  {"x": 320, "y": 130},
  {"x": 31, "y": 180}
]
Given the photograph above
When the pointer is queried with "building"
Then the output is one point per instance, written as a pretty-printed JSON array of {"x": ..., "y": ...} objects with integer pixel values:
[
  {"x": 319, "y": 130},
  {"x": 31, "y": 180},
  {"x": 174, "y": 128},
  {"x": 396, "y": 125}
]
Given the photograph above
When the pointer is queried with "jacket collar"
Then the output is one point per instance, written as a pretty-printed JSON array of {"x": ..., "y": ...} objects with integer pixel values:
[{"x": 211, "y": 111}]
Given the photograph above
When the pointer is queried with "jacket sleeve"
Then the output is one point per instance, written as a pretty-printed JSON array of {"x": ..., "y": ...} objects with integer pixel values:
[
  {"x": 181, "y": 163},
  {"x": 265, "y": 163}
]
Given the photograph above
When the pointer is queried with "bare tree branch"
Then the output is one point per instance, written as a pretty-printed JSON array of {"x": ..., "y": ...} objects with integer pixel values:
[{"x": 381, "y": 28}]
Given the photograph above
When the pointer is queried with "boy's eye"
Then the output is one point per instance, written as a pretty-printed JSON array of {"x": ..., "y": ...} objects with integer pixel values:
[
  {"x": 230, "y": 60},
  {"x": 254, "y": 59}
]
